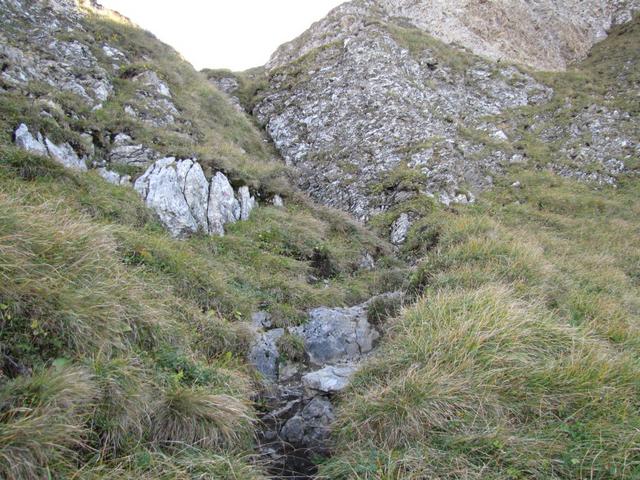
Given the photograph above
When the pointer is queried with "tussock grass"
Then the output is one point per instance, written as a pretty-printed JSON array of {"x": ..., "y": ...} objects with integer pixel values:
[
  {"x": 520, "y": 358},
  {"x": 63, "y": 290},
  {"x": 195, "y": 417},
  {"x": 187, "y": 463},
  {"x": 122, "y": 414},
  {"x": 42, "y": 421}
]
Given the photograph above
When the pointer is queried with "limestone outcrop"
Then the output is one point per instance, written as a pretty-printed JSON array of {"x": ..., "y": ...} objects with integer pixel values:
[
  {"x": 187, "y": 203},
  {"x": 64, "y": 154}
]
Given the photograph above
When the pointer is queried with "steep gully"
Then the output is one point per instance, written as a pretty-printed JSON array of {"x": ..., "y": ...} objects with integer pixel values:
[{"x": 296, "y": 402}]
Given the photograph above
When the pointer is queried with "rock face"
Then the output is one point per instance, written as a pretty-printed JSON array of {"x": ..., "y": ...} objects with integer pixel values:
[
  {"x": 69, "y": 65},
  {"x": 376, "y": 112},
  {"x": 63, "y": 154},
  {"x": 126, "y": 152},
  {"x": 542, "y": 34},
  {"x": 380, "y": 98},
  {"x": 299, "y": 395},
  {"x": 178, "y": 191}
]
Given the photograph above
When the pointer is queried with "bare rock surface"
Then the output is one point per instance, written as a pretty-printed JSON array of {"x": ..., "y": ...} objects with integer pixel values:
[
  {"x": 542, "y": 34},
  {"x": 187, "y": 203},
  {"x": 366, "y": 104},
  {"x": 64, "y": 154}
]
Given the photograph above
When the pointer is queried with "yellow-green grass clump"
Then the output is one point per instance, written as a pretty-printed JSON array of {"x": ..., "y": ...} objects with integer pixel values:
[{"x": 520, "y": 358}]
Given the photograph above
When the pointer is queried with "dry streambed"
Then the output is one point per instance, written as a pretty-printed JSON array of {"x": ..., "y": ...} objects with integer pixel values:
[{"x": 300, "y": 384}]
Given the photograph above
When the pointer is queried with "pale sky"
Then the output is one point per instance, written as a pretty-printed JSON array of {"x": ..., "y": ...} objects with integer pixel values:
[{"x": 234, "y": 34}]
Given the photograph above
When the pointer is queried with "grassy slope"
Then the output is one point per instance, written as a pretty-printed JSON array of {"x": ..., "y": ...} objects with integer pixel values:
[
  {"x": 521, "y": 357},
  {"x": 122, "y": 351}
]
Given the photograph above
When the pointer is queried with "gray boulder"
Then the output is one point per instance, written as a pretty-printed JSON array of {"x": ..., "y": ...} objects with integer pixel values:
[
  {"x": 337, "y": 334},
  {"x": 311, "y": 427},
  {"x": 330, "y": 379},
  {"x": 162, "y": 192},
  {"x": 263, "y": 353}
]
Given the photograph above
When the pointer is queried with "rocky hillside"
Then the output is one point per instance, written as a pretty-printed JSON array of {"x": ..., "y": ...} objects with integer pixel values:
[
  {"x": 542, "y": 34},
  {"x": 405, "y": 248},
  {"x": 375, "y": 110},
  {"x": 145, "y": 222}
]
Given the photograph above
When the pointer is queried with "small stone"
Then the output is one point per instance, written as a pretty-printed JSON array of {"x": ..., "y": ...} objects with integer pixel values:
[
  {"x": 277, "y": 201},
  {"x": 261, "y": 319},
  {"x": 288, "y": 370},
  {"x": 109, "y": 176},
  {"x": 27, "y": 142},
  {"x": 400, "y": 229},
  {"x": 330, "y": 379},
  {"x": 367, "y": 262},
  {"x": 293, "y": 430},
  {"x": 517, "y": 159},
  {"x": 65, "y": 155},
  {"x": 500, "y": 135}
]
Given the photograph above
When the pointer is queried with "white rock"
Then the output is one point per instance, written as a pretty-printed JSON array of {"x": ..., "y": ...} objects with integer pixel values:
[
  {"x": 26, "y": 141},
  {"x": 223, "y": 206},
  {"x": 500, "y": 135},
  {"x": 109, "y": 176},
  {"x": 277, "y": 201},
  {"x": 367, "y": 262},
  {"x": 247, "y": 202},
  {"x": 65, "y": 155},
  {"x": 150, "y": 78},
  {"x": 160, "y": 188},
  {"x": 196, "y": 190},
  {"x": 330, "y": 379},
  {"x": 400, "y": 229}
]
